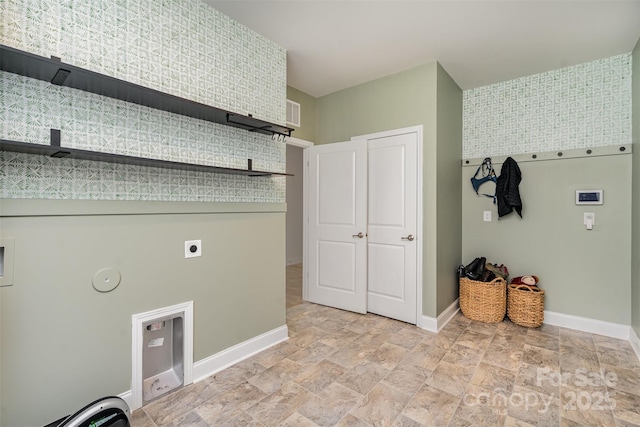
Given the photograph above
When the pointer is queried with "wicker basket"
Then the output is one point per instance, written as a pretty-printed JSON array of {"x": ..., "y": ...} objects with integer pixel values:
[
  {"x": 483, "y": 301},
  {"x": 525, "y": 306}
]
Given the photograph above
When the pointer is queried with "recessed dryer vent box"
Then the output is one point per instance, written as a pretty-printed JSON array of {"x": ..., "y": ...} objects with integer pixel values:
[
  {"x": 6, "y": 261},
  {"x": 589, "y": 197},
  {"x": 162, "y": 356}
]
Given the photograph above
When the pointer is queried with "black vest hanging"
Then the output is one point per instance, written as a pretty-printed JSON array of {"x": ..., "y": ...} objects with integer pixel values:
[{"x": 507, "y": 192}]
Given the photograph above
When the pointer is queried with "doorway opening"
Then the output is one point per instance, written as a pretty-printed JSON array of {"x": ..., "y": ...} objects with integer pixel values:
[{"x": 295, "y": 219}]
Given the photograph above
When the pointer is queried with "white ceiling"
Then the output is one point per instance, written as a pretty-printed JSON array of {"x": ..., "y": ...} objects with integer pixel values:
[{"x": 335, "y": 44}]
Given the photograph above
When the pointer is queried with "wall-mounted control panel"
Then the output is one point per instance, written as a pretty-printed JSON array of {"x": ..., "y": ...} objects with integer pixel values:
[
  {"x": 589, "y": 197},
  {"x": 589, "y": 220}
]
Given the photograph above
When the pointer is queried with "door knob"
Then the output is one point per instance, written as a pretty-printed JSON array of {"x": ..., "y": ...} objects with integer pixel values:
[
  {"x": 409, "y": 238},
  {"x": 360, "y": 235}
]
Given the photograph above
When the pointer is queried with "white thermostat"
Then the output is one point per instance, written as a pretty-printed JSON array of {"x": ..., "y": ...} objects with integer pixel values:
[{"x": 589, "y": 197}]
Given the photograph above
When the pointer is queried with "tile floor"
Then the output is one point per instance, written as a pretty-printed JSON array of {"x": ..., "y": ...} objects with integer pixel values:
[{"x": 344, "y": 369}]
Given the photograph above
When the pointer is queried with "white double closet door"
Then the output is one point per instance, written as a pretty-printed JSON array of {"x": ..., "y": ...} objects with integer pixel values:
[{"x": 362, "y": 225}]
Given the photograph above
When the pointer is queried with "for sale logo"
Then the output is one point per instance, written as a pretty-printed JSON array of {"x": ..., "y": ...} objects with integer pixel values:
[
  {"x": 580, "y": 378},
  {"x": 596, "y": 400},
  {"x": 499, "y": 401},
  {"x": 576, "y": 388}
]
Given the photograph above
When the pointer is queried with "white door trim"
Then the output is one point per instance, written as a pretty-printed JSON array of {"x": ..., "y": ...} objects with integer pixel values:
[
  {"x": 305, "y": 225},
  {"x": 297, "y": 142},
  {"x": 303, "y": 143},
  {"x": 419, "y": 218},
  {"x": 386, "y": 133}
]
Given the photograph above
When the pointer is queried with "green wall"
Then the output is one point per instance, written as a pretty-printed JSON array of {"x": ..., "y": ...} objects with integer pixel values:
[
  {"x": 449, "y": 201},
  {"x": 424, "y": 95},
  {"x": 307, "y": 129},
  {"x": 400, "y": 100},
  {"x": 635, "y": 221},
  {"x": 65, "y": 344},
  {"x": 584, "y": 273},
  {"x": 2, "y": 234}
]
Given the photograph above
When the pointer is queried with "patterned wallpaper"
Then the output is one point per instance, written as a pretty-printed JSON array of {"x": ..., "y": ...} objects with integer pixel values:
[
  {"x": 25, "y": 176},
  {"x": 587, "y": 105},
  {"x": 181, "y": 47}
]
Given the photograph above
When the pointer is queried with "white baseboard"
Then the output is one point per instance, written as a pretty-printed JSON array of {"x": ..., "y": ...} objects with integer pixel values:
[
  {"x": 446, "y": 316},
  {"x": 219, "y": 361},
  {"x": 127, "y": 396},
  {"x": 428, "y": 323},
  {"x": 594, "y": 326},
  {"x": 634, "y": 340},
  {"x": 435, "y": 324}
]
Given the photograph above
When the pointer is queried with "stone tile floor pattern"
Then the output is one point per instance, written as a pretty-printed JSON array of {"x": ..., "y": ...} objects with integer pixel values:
[{"x": 344, "y": 369}]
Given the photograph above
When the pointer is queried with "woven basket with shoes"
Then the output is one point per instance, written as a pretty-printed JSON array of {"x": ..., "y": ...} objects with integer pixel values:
[
  {"x": 525, "y": 305},
  {"x": 483, "y": 301}
]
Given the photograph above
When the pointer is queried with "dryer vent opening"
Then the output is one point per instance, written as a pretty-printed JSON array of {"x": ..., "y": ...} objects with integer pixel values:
[
  {"x": 162, "y": 356},
  {"x": 162, "y": 352}
]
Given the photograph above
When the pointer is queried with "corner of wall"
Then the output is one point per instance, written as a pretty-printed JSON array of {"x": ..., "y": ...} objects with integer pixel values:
[
  {"x": 449, "y": 187},
  {"x": 430, "y": 193}
]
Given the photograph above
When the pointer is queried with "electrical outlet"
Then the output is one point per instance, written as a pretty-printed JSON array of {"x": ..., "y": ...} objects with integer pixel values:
[
  {"x": 487, "y": 215},
  {"x": 589, "y": 216},
  {"x": 192, "y": 248}
]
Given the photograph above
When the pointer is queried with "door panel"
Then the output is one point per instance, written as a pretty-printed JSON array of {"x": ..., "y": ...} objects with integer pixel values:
[
  {"x": 337, "y": 217},
  {"x": 392, "y": 263},
  {"x": 342, "y": 256},
  {"x": 386, "y": 182},
  {"x": 389, "y": 262},
  {"x": 336, "y": 189}
]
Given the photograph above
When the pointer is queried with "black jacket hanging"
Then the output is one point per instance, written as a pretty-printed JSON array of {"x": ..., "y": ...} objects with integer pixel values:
[{"x": 507, "y": 192}]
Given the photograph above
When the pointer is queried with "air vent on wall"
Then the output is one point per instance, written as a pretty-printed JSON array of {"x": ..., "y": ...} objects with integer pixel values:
[{"x": 293, "y": 113}]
